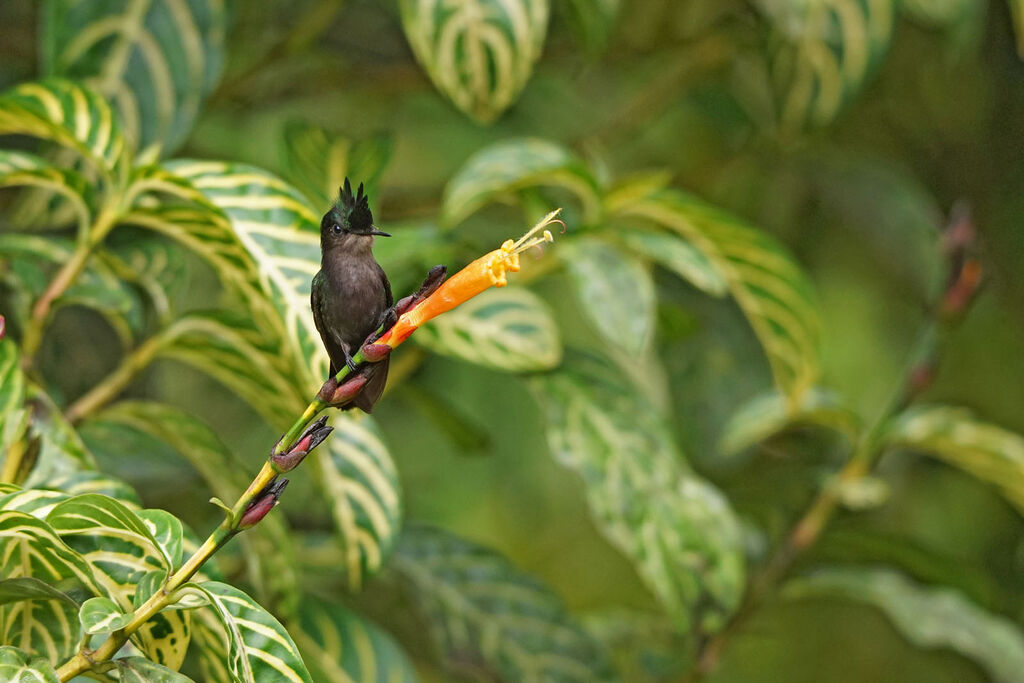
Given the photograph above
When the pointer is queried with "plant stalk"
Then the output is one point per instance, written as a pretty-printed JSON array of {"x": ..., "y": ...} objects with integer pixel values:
[{"x": 107, "y": 390}]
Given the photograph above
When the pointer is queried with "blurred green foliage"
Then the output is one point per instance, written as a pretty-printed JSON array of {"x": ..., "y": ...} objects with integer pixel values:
[{"x": 727, "y": 427}]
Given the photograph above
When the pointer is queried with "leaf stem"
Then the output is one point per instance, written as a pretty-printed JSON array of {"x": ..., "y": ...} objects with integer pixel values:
[{"x": 107, "y": 390}]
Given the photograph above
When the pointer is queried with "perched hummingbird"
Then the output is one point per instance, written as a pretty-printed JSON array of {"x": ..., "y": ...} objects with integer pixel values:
[{"x": 351, "y": 294}]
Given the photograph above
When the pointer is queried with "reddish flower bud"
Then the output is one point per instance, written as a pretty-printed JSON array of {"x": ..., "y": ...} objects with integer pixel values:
[
  {"x": 3, "y": 327},
  {"x": 374, "y": 353},
  {"x": 264, "y": 502},
  {"x": 963, "y": 288},
  {"x": 348, "y": 389},
  {"x": 310, "y": 439}
]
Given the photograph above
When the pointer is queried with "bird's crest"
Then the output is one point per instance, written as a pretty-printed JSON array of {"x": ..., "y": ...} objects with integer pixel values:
[{"x": 357, "y": 207}]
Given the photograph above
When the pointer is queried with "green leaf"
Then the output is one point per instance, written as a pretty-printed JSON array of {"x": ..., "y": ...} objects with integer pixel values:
[
  {"x": 121, "y": 549},
  {"x": 644, "y": 646},
  {"x": 927, "y": 617},
  {"x": 155, "y": 265},
  {"x": 359, "y": 480},
  {"x": 592, "y": 21},
  {"x": 157, "y": 61},
  {"x": 29, "y": 548},
  {"x": 268, "y": 547},
  {"x": 339, "y": 646},
  {"x": 13, "y": 416},
  {"x": 282, "y": 236},
  {"x": 509, "y": 329},
  {"x": 825, "y": 50},
  {"x": 167, "y": 530},
  {"x": 478, "y": 53},
  {"x": 102, "y": 615},
  {"x": 39, "y": 617},
  {"x": 20, "y": 667},
  {"x": 211, "y": 646},
  {"x": 142, "y": 670},
  {"x": 678, "y": 256},
  {"x": 29, "y": 588},
  {"x": 71, "y": 115},
  {"x": 18, "y": 169},
  {"x": 259, "y": 647},
  {"x": 32, "y": 260},
  {"x": 318, "y": 161},
  {"x": 235, "y": 353},
  {"x": 61, "y": 451},
  {"x": 489, "y": 619},
  {"x": 769, "y": 287},
  {"x": 36, "y": 502},
  {"x": 677, "y": 529},
  {"x": 988, "y": 452},
  {"x": 615, "y": 292},
  {"x": 504, "y": 168},
  {"x": 771, "y": 413},
  {"x": 76, "y": 483}
]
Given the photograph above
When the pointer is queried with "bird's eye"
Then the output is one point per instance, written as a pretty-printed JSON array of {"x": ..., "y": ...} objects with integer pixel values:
[{"x": 337, "y": 229}]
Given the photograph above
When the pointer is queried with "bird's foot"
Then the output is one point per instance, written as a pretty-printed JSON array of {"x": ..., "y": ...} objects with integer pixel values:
[{"x": 338, "y": 395}]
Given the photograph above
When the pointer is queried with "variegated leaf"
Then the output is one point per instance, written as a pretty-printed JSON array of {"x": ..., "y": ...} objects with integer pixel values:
[
  {"x": 679, "y": 256},
  {"x": 36, "y": 502},
  {"x": 121, "y": 549},
  {"x": 825, "y": 51},
  {"x": 211, "y": 646},
  {"x": 155, "y": 265},
  {"x": 61, "y": 451},
  {"x": 38, "y": 618},
  {"x": 615, "y": 292},
  {"x": 142, "y": 670},
  {"x": 318, "y": 161},
  {"x": 506, "y": 167},
  {"x": 18, "y": 169},
  {"x": 282, "y": 236},
  {"x": 360, "y": 482},
  {"x": 29, "y": 548},
  {"x": 77, "y": 483},
  {"x": 769, "y": 287},
  {"x": 490, "y": 620},
  {"x": 769, "y": 414},
  {"x": 71, "y": 115},
  {"x": 19, "y": 666},
  {"x": 32, "y": 260},
  {"x": 268, "y": 547},
  {"x": 509, "y": 329},
  {"x": 677, "y": 529},
  {"x": 237, "y": 354},
  {"x": 339, "y": 646},
  {"x": 259, "y": 648},
  {"x": 986, "y": 451},
  {"x": 929, "y": 617},
  {"x": 156, "y": 61},
  {"x": 479, "y": 53},
  {"x": 102, "y": 615},
  {"x": 13, "y": 415}
]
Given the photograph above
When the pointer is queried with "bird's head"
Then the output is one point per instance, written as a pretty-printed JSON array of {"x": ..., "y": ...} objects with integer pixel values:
[{"x": 349, "y": 222}]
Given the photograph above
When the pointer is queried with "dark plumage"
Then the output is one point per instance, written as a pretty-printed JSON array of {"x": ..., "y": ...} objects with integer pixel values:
[{"x": 351, "y": 293}]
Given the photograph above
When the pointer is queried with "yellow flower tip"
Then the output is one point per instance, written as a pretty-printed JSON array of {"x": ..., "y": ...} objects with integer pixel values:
[{"x": 507, "y": 257}]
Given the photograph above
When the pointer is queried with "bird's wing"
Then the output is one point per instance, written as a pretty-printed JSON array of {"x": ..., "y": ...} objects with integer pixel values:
[
  {"x": 387, "y": 286},
  {"x": 317, "y": 303}
]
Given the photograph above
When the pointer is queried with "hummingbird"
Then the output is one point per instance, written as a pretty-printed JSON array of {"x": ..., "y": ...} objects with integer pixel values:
[{"x": 351, "y": 295}]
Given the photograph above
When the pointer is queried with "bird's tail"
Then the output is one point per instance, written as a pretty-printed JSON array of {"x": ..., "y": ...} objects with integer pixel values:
[{"x": 377, "y": 378}]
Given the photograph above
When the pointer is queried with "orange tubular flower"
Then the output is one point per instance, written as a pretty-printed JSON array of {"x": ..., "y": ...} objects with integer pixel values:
[{"x": 487, "y": 271}]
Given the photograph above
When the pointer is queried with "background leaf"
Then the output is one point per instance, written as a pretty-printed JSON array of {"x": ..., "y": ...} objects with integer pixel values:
[
  {"x": 988, "y": 452},
  {"x": 259, "y": 648},
  {"x": 615, "y": 292},
  {"x": 490, "y": 620},
  {"x": 359, "y": 480},
  {"x": 339, "y": 646},
  {"x": 772, "y": 291},
  {"x": 156, "y": 61},
  {"x": 928, "y": 617},
  {"x": 479, "y": 53},
  {"x": 509, "y": 329},
  {"x": 506, "y": 167},
  {"x": 676, "y": 528},
  {"x": 16, "y": 665}
]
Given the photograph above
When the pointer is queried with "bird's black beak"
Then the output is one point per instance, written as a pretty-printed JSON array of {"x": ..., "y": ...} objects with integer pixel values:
[{"x": 375, "y": 231}]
